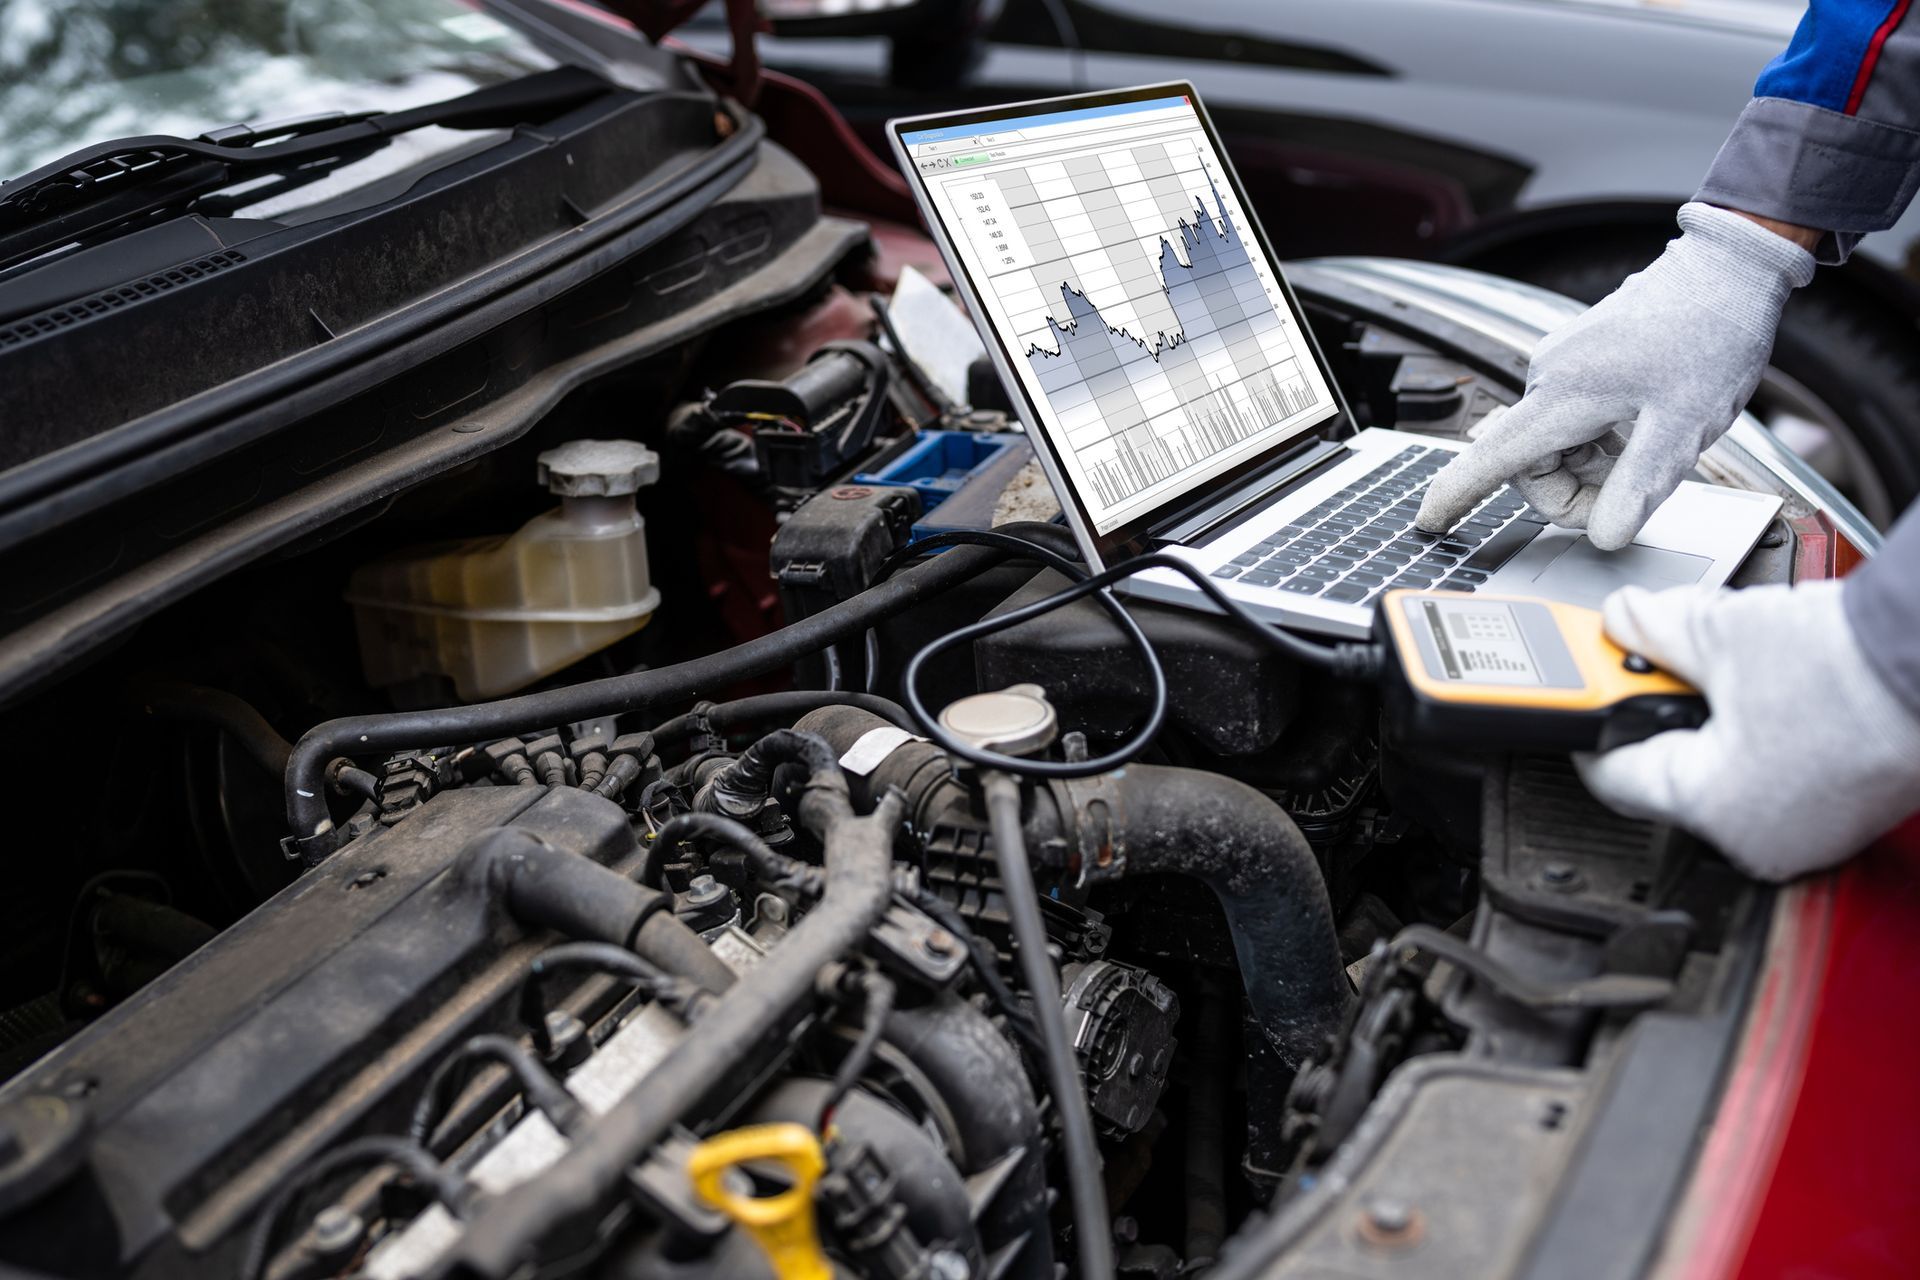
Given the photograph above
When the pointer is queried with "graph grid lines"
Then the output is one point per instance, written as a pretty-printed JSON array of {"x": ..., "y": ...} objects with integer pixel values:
[{"x": 1159, "y": 350}]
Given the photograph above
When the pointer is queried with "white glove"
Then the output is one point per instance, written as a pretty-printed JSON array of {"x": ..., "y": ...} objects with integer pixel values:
[
  {"x": 1806, "y": 755},
  {"x": 1667, "y": 361}
]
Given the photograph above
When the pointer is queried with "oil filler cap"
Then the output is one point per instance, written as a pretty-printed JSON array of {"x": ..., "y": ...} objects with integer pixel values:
[{"x": 1016, "y": 721}]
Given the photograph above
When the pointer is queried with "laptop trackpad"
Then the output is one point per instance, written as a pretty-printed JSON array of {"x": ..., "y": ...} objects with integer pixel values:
[{"x": 1585, "y": 575}]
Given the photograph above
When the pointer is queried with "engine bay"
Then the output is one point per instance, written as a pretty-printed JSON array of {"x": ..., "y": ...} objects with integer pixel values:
[{"x": 426, "y": 919}]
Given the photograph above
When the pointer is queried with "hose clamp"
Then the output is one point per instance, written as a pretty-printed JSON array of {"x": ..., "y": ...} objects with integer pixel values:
[{"x": 1097, "y": 808}]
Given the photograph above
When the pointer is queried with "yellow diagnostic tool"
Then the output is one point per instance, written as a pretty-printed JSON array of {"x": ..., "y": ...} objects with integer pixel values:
[{"x": 1499, "y": 673}]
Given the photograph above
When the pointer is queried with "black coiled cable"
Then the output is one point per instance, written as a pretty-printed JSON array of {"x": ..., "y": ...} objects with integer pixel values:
[
  {"x": 1349, "y": 661},
  {"x": 1156, "y": 675}
]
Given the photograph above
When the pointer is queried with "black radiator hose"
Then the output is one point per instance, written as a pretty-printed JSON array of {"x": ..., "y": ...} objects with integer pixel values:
[
  {"x": 178, "y": 700},
  {"x": 1163, "y": 820},
  {"x": 312, "y": 832},
  {"x": 723, "y": 1054},
  {"x": 1246, "y": 848}
]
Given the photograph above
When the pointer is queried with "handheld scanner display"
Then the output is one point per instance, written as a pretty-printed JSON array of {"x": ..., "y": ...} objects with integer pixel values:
[{"x": 1491, "y": 673}]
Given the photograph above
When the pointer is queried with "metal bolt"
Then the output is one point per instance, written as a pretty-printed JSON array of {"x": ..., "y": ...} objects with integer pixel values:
[
  {"x": 1125, "y": 1229},
  {"x": 336, "y": 1229},
  {"x": 1391, "y": 1216},
  {"x": 770, "y": 909},
  {"x": 945, "y": 1264},
  {"x": 704, "y": 891},
  {"x": 1559, "y": 875},
  {"x": 1389, "y": 1222},
  {"x": 939, "y": 944}
]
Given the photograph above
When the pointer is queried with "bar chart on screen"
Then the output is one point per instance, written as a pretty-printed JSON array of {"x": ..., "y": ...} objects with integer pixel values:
[{"x": 1140, "y": 311}]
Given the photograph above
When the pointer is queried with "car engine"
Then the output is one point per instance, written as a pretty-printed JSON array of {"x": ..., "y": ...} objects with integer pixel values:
[{"x": 592, "y": 894}]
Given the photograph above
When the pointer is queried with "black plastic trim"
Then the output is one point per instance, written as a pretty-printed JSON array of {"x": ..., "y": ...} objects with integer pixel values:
[
  {"x": 1655, "y": 1107},
  {"x": 89, "y": 614},
  {"x": 41, "y": 495}
]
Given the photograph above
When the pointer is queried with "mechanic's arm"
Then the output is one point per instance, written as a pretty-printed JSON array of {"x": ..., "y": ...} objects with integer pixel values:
[
  {"x": 1813, "y": 745},
  {"x": 1622, "y": 400}
]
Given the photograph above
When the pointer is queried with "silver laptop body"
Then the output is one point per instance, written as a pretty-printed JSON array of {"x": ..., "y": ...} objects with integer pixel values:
[{"x": 1177, "y": 402}]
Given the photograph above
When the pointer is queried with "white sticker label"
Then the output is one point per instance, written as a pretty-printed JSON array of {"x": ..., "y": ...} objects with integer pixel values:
[
  {"x": 875, "y": 745},
  {"x": 1480, "y": 642}
]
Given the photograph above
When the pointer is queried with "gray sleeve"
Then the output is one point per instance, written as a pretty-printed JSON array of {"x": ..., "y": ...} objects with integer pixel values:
[
  {"x": 1883, "y": 604},
  {"x": 1814, "y": 167}
]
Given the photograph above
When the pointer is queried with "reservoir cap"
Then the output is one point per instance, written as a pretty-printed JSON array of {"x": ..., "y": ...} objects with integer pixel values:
[
  {"x": 1016, "y": 721},
  {"x": 598, "y": 468}
]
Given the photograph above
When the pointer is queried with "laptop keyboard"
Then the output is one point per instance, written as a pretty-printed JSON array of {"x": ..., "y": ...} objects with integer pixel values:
[{"x": 1361, "y": 541}]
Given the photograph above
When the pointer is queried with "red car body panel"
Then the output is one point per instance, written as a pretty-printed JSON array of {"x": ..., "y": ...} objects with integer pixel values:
[
  {"x": 1811, "y": 1167},
  {"x": 1843, "y": 1198}
]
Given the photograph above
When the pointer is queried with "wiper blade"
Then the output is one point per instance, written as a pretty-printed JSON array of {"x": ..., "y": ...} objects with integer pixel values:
[{"x": 100, "y": 186}]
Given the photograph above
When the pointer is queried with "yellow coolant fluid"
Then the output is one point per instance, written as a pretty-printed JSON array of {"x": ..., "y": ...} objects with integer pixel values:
[{"x": 496, "y": 614}]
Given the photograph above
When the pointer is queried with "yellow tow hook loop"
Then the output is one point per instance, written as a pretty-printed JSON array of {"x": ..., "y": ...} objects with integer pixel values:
[{"x": 781, "y": 1224}]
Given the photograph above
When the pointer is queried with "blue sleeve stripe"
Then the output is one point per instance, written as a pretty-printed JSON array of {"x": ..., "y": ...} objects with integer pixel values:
[{"x": 1823, "y": 60}]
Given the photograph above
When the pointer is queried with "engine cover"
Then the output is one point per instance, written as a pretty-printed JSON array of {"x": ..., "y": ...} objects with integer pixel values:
[{"x": 313, "y": 1020}]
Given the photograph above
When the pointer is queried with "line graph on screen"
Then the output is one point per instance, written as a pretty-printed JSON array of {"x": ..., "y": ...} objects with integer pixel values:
[{"x": 1140, "y": 312}]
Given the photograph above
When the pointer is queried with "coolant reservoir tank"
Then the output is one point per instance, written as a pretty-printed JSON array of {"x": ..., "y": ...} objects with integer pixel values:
[{"x": 496, "y": 614}]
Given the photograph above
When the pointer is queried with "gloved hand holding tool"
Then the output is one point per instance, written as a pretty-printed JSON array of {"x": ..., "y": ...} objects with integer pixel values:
[
  {"x": 1807, "y": 754},
  {"x": 1622, "y": 400},
  {"x": 1812, "y": 743}
]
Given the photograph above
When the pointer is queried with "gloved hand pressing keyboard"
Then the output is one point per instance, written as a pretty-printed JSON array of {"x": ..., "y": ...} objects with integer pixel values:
[
  {"x": 1806, "y": 755},
  {"x": 1622, "y": 400}
]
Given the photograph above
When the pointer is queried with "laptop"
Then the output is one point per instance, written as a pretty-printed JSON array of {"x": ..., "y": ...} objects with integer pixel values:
[{"x": 1178, "y": 403}]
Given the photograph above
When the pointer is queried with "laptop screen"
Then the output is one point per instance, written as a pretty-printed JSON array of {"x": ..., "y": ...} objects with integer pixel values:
[{"x": 1108, "y": 256}]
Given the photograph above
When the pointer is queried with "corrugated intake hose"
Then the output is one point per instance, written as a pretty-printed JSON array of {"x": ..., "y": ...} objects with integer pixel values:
[
  {"x": 576, "y": 896},
  {"x": 719, "y": 1056}
]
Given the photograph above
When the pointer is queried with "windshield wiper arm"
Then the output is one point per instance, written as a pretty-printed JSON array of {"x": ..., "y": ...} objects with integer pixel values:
[{"x": 107, "y": 183}]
